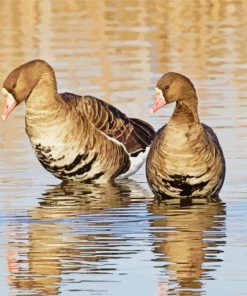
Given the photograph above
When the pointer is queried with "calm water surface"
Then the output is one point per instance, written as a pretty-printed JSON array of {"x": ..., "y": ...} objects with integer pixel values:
[{"x": 116, "y": 240}]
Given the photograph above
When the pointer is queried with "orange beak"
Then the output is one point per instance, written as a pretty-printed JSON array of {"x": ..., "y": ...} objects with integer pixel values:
[
  {"x": 159, "y": 101},
  {"x": 9, "y": 104}
]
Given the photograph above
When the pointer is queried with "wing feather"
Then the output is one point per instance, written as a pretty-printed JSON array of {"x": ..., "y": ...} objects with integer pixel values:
[{"x": 134, "y": 134}]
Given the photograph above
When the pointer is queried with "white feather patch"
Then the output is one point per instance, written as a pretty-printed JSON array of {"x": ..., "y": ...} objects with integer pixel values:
[{"x": 135, "y": 164}]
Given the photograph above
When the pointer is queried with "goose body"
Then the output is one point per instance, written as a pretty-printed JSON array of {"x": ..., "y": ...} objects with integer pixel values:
[
  {"x": 76, "y": 137},
  {"x": 185, "y": 159}
]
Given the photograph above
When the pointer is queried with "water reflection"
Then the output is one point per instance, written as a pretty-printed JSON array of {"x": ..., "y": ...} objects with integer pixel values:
[
  {"x": 190, "y": 243},
  {"x": 76, "y": 229},
  {"x": 118, "y": 52}
]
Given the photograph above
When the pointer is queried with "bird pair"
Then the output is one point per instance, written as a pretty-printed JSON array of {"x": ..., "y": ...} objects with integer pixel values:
[{"x": 86, "y": 139}]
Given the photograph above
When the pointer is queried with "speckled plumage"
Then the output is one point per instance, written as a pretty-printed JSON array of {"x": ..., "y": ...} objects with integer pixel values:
[
  {"x": 76, "y": 137},
  {"x": 185, "y": 159}
]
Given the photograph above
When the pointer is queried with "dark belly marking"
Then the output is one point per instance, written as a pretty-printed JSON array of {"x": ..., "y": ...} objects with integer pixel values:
[
  {"x": 86, "y": 168},
  {"x": 46, "y": 159},
  {"x": 94, "y": 178},
  {"x": 180, "y": 183}
]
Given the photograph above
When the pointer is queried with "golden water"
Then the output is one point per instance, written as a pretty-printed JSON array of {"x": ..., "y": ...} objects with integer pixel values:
[{"x": 115, "y": 239}]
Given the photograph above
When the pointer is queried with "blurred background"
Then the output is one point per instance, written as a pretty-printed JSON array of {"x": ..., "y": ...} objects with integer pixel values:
[{"x": 115, "y": 240}]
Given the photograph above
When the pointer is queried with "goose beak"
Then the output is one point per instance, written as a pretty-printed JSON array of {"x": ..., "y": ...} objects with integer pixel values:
[
  {"x": 9, "y": 104},
  {"x": 159, "y": 101}
]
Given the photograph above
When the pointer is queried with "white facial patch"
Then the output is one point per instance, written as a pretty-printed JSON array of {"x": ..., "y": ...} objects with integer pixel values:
[
  {"x": 5, "y": 92},
  {"x": 9, "y": 104},
  {"x": 159, "y": 93}
]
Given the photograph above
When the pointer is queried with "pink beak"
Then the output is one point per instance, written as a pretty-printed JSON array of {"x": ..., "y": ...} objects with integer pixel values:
[
  {"x": 158, "y": 103},
  {"x": 9, "y": 105}
]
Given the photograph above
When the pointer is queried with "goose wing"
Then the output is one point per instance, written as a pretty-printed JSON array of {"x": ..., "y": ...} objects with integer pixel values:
[{"x": 134, "y": 134}]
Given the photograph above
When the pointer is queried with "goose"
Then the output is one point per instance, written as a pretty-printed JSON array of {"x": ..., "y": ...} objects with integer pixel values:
[
  {"x": 75, "y": 137},
  {"x": 185, "y": 160}
]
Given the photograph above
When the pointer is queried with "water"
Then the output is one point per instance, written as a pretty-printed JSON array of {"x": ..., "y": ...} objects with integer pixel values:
[{"x": 116, "y": 239}]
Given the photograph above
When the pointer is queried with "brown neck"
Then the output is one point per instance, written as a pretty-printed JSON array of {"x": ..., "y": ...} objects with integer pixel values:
[
  {"x": 186, "y": 111},
  {"x": 44, "y": 95},
  {"x": 42, "y": 106}
]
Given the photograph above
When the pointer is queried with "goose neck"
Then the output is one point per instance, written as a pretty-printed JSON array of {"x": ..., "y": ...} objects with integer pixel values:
[{"x": 186, "y": 111}]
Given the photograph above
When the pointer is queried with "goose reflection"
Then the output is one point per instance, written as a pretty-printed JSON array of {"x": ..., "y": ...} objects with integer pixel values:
[
  {"x": 189, "y": 242},
  {"x": 74, "y": 230}
]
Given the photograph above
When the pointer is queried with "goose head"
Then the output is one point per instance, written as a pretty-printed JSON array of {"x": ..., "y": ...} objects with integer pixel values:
[
  {"x": 172, "y": 87},
  {"x": 20, "y": 83}
]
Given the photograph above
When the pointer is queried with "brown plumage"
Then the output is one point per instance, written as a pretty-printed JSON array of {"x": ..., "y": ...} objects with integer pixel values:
[
  {"x": 185, "y": 159},
  {"x": 75, "y": 137}
]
